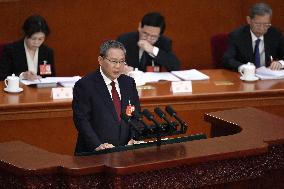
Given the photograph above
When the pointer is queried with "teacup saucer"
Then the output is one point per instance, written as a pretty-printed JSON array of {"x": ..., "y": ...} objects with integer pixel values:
[
  {"x": 14, "y": 91},
  {"x": 254, "y": 78}
]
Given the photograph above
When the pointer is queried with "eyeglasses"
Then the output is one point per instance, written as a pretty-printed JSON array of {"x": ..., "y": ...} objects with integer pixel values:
[
  {"x": 116, "y": 62},
  {"x": 259, "y": 25},
  {"x": 151, "y": 37}
]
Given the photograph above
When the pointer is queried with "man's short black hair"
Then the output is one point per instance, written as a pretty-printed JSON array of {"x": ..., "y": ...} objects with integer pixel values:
[
  {"x": 154, "y": 19},
  {"x": 34, "y": 24}
]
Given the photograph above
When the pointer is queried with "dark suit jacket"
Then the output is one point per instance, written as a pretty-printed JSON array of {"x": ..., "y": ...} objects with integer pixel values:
[
  {"x": 164, "y": 58},
  {"x": 94, "y": 113},
  {"x": 240, "y": 50},
  {"x": 14, "y": 59}
]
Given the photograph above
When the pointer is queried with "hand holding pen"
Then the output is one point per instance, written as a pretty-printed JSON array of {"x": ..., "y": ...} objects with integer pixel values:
[
  {"x": 274, "y": 65},
  {"x": 30, "y": 75}
]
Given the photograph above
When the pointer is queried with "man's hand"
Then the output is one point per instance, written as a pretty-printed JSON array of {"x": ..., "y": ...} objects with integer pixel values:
[
  {"x": 104, "y": 146},
  {"x": 30, "y": 75},
  {"x": 146, "y": 46},
  {"x": 132, "y": 141},
  {"x": 275, "y": 65}
]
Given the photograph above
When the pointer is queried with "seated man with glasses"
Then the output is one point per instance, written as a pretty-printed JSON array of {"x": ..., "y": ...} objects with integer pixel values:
[
  {"x": 258, "y": 42},
  {"x": 148, "y": 49},
  {"x": 99, "y": 99}
]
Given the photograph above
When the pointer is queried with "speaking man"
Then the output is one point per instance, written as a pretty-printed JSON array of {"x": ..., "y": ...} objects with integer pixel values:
[{"x": 99, "y": 99}]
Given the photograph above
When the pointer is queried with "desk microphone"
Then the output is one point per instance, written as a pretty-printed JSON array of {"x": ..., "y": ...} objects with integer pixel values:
[
  {"x": 150, "y": 117},
  {"x": 138, "y": 116},
  {"x": 172, "y": 113},
  {"x": 162, "y": 115},
  {"x": 129, "y": 121}
]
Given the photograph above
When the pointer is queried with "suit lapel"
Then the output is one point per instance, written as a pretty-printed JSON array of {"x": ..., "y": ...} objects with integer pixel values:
[
  {"x": 268, "y": 43},
  {"x": 21, "y": 56},
  {"x": 248, "y": 44},
  {"x": 104, "y": 93},
  {"x": 136, "y": 50},
  {"x": 123, "y": 92}
]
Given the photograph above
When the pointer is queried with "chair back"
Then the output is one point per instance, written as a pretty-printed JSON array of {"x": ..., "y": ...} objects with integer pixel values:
[{"x": 219, "y": 44}]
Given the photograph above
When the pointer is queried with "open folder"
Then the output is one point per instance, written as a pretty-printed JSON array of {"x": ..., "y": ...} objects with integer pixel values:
[{"x": 185, "y": 75}]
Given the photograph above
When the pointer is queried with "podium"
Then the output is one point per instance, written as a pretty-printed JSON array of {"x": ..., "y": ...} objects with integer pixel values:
[{"x": 250, "y": 155}]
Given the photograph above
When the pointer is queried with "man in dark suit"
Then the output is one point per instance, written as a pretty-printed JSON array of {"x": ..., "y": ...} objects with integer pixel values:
[
  {"x": 258, "y": 42},
  {"x": 148, "y": 49},
  {"x": 98, "y": 100}
]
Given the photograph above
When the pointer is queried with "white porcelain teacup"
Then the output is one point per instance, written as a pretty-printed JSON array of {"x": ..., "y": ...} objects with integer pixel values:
[
  {"x": 136, "y": 75},
  {"x": 247, "y": 71},
  {"x": 12, "y": 83}
]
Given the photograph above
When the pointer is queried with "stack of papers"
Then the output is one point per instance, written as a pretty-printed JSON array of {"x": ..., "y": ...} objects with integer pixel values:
[
  {"x": 159, "y": 76},
  {"x": 185, "y": 75},
  {"x": 50, "y": 81},
  {"x": 266, "y": 73},
  {"x": 192, "y": 74}
]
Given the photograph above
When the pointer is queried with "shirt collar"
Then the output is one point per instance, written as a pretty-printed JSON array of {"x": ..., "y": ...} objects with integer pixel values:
[
  {"x": 253, "y": 37},
  {"x": 106, "y": 79}
]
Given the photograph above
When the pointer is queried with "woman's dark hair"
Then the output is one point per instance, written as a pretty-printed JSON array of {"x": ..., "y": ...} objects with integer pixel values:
[{"x": 34, "y": 24}]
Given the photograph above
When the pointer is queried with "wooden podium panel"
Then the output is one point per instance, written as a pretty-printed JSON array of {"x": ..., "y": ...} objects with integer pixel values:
[
  {"x": 33, "y": 117},
  {"x": 249, "y": 157}
]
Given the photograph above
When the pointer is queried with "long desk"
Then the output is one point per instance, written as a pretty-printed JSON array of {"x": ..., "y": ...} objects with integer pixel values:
[
  {"x": 251, "y": 155},
  {"x": 33, "y": 117}
]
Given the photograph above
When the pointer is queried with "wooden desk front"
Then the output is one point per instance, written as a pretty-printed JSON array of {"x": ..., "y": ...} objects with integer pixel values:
[{"x": 33, "y": 117}]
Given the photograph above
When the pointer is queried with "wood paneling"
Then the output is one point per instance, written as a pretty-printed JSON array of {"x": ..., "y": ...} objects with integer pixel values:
[{"x": 78, "y": 27}]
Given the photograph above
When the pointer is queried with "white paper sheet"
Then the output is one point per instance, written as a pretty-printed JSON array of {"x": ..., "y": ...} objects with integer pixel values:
[
  {"x": 51, "y": 80},
  {"x": 192, "y": 74},
  {"x": 266, "y": 73},
  {"x": 159, "y": 76}
]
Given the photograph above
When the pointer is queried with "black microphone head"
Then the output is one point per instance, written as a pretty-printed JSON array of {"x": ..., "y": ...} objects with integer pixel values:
[
  {"x": 170, "y": 111},
  {"x": 159, "y": 112},
  {"x": 148, "y": 114}
]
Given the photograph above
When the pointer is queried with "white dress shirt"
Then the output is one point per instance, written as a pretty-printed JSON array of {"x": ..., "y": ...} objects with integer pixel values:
[
  {"x": 108, "y": 82},
  {"x": 32, "y": 62}
]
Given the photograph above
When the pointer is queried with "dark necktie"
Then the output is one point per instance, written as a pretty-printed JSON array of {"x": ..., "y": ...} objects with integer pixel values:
[
  {"x": 115, "y": 99},
  {"x": 256, "y": 54}
]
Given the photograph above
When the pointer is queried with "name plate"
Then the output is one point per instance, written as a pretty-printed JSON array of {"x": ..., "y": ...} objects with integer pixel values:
[
  {"x": 181, "y": 87},
  {"x": 62, "y": 93}
]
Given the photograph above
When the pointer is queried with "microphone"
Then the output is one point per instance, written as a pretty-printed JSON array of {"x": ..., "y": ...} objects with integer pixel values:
[
  {"x": 150, "y": 117},
  {"x": 162, "y": 115},
  {"x": 138, "y": 117},
  {"x": 172, "y": 113},
  {"x": 128, "y": 120}
]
